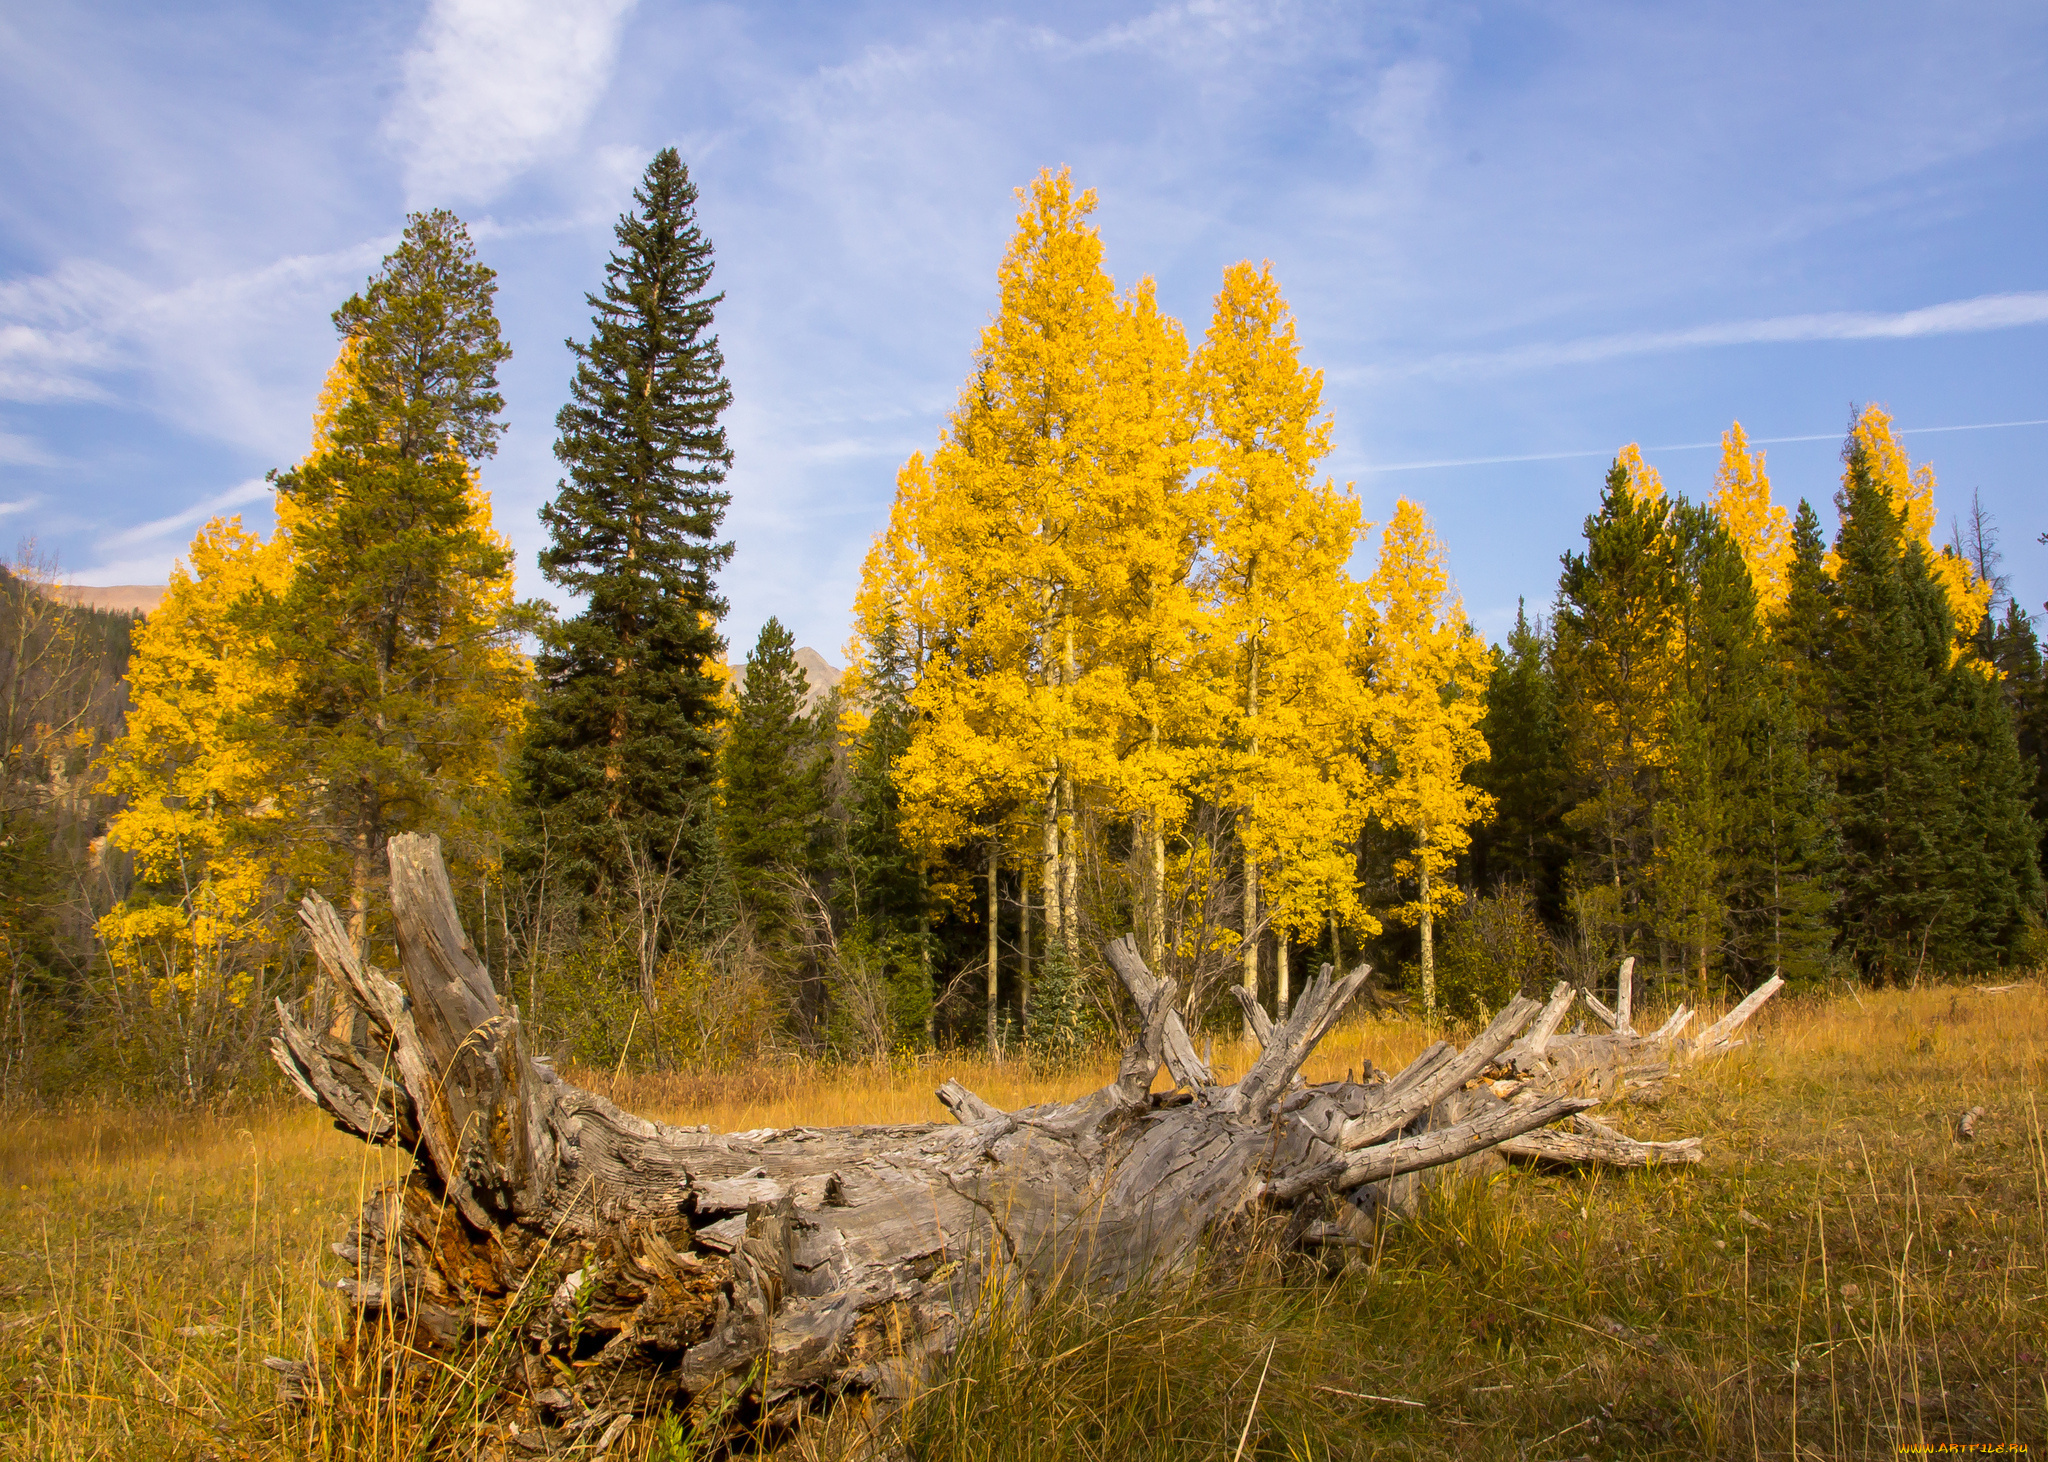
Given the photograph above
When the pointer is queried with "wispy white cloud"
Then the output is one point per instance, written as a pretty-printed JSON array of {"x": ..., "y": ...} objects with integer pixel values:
[
  {"x": 144, "y": 553},
  {"x": 20, "y": 505},
  {"x": 1956, "y": 317},
  {"x": 200, "y": 351},
  {"x": 174, "y": 525},
  {"x": 492, "y": 86},
  {"x": 20, "y": 451},
  {"x": 54, "y": 335}
]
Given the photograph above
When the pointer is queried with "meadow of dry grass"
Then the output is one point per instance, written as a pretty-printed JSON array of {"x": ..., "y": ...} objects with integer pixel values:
[{"x": 1842, "y": 1277}]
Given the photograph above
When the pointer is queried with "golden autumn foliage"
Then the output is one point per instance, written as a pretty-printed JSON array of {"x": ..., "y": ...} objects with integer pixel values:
[
  {"x": 209, "y": 813},
  {"x": 1742, "y": 500},
  {"x": 1644, "y": 481},
  {"x": 1911, "y": 490},
  {"x": 1121, "y": 584},
  {"x": 262, "y": 709},
  {"x": 1429, "y": 673},
  {"x": 1279, "y": 604}
]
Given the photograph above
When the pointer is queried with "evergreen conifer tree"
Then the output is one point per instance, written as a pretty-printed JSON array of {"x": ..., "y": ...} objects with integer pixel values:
[
  {"x": 1800, "y": 629},
  {"x": 1741, "y": 863},
  {"x": 1996, "y": 873},
  {"x": 879, "y": 882},
  {"x": 622, "y": 755},
  {"x": 1613, "y": 631},
  {"x": 1524, "y": 771},
  {"x": 2016, "y": 652},
  {"x": 394, "y": 629},
  {"x": 1901, "y": 822},
  {"x": 776, "y": 756}
]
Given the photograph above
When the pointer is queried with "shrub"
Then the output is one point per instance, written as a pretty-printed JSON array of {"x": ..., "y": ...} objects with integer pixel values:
[{"x": 1493, "y": 948}]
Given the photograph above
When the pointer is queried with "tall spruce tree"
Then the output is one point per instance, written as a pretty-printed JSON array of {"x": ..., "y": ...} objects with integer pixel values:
[
  {"x": 1901, "y": 819},
  {"x": 2016, "y": 652},
  {"x": 1616, "y": 608},
  {"x": 1800, "y": 629},
  {"x": 776, "y": 756},
  {"x": 1715, "y": 674},
  {"x": 879, "y": 884},
  {"x": 1524, "y": 771},
  {"x": 1742, "y": 848},
  {"x": 1996, "y": 869},
  {"x": 621, "y": 758},
  {"x": 394, "y": 629}
]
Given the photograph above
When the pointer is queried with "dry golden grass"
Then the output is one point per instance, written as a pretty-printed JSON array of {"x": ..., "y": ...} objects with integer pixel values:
[{"x": 1887, "y": 1288}]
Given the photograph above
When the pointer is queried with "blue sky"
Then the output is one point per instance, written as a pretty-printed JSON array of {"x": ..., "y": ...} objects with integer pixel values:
[{"x": 1516, "y": 237}]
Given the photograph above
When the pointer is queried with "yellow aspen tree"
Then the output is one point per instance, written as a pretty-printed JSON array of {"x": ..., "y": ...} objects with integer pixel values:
[
  {"x": 1742, "y": 501},
  {"x": 1429, "y": 673},
  {"x": 1644, "y": 481},
  {"x": 1001, "y": 525},
  {"x": 210, "y": 810},
  {"x": 1911, "y": 490},
  {"x": 1280, "y": 600},
  {"x": 1148, "y": 690}
]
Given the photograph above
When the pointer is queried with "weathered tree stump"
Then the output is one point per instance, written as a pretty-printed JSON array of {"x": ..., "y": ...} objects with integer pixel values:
[{"x": 620, "y": 1266}]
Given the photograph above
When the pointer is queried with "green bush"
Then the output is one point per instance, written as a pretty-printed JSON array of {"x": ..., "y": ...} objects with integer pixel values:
[
  {"x": 1492, "y": 949},
  {"x": 1063, "y": 1023}
]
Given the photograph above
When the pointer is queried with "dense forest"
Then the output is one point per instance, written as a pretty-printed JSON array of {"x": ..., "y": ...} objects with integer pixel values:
[{"x": 1112, "y": 671}]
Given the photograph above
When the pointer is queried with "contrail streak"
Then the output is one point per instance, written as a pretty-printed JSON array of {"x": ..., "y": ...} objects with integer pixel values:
[{"x": 1679, "y": 447}]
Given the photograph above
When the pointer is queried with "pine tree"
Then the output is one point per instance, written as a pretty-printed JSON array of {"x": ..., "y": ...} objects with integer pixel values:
[
  {"x": 395, "y": 630},
  {"x": 1996, "y": 870},
  {"x": 1613, "y": 634},
  {"x": 1715, "y": 674},
  {"x": 621, "y": 758},
  {"x": 1524, "y": 770},
  {"x": 1741, "y": 886},
  {"x": 879, "y": 881},
  {"x": 1800, "y": 631},
  {"x": 2016, "y": 653},
  {"x": 776, "y": 756},
  {"x": 1910, "y": 491},
  {"x": 1889, "y": 651}
]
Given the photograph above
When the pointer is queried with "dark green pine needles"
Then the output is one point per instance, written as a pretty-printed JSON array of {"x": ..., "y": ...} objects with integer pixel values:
[
  {"x": 622, "y": 751},
  {"x": 776, "y": 758},
  {"x": 1939, "y": 865}
]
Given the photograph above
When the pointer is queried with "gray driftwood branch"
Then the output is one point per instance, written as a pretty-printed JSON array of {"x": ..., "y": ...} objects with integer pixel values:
[{"x": 625, "y": 1266}]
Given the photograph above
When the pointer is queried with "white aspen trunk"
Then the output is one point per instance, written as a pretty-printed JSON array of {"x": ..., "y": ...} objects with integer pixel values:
[
  {"x": 1024, "y": 939},
  {"x": 1049, "y": 863},
  {"x": 1281, "y": 994},
  {"x": 1427, "y": 925},
  {"x": 1070, "y": 900},
  {"x": 994, "y": 965},
  {"x": 1251, "y": 939},
  {"x": 1155, "y": 936},
  {"x": 1251, "y": 866}
]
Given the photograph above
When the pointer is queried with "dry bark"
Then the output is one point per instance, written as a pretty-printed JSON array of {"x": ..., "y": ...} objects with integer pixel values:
[{"x": 620, "y": 1266}]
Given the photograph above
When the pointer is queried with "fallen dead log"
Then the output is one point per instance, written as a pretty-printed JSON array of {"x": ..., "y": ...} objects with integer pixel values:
[
  {"x": 606, "y": 1265},
  {"x": 1620, "y": 1064}
]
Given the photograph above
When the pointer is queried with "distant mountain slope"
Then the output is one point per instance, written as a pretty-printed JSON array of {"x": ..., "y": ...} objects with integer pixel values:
[
  {"x": 113, "y": 598},
  {"x": 819, "y": 673}
]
